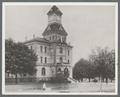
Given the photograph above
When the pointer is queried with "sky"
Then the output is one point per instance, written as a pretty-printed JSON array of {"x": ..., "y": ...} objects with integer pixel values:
[{"x": 87, "y": 26}]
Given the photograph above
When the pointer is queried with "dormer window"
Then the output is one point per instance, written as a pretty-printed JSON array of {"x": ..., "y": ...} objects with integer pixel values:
[
  {"x": 31, "y": 47},
  {"x": 41, "y": 48},
  {"x": 48, "y": 28},
  {"x": 60, "y": 28},
  {"x": 63, "y": 39}
]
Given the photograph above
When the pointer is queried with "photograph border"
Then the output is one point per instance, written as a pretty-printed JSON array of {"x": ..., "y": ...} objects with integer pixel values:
[{"x": 59, "y": 3}]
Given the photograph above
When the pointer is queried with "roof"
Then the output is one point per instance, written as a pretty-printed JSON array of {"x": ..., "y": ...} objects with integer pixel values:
[
  {"x": 43, "y": 40},
  {"x": 55, "y": 28},
  {"x": 38, "y": 40},
  {"x": 55, "y": 10}
]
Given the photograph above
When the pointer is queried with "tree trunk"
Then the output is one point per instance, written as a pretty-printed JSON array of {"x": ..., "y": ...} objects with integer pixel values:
[
  {"x": 99, "y": 78},
  {"x": 106, "y": 80},
  {"x": 81, "y": 79},
  {"x": 102, "y": 79},
  {"x": 16, "y": 79},
  {"x": 89, "y": 79}
]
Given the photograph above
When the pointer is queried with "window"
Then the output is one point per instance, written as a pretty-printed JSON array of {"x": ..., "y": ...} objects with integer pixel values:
[
  {"x": 68, "y": 61},
  {"x": 24, "y": 74},
  {"x": 61, "y": 50},
  {"x": 61, "y": 60},
  {"x": 68, "y": 52},
  {"x": 66, "y": 71},
  {"x": 41, "y": 48},
  {"x": 59, "y": 69},
  {"x": 41, "y": 59},
  {"x": 63, "y": 39},
  {"x": 45, "y": 59},
  {"x": 31, "y": 47},
  {"x": 43, "y": 71},
  {"x": 60, "y": 28},
  {"x": 53, "y": 37},
  {"x": 45, "y": 49}
]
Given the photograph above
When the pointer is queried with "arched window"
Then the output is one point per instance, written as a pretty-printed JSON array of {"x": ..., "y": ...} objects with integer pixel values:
[
  {"x": 59, "y": 38},
  {"x": 61, "y": 60},
  {"x": 66, "y": 71},
  {"x": 59, "y": 69},
  {"x": 45, "y": 49},
  {"x": 68, "y": 61},
  {"x": 43, "y": 71},
  {"x": 63, "y": 39},
  {"x": 45, "y": 59},
  {"x": 53, "y": 37},
  {"x": 68, "y": 52},
  {"x": 41, "y": 48},
  {"x": 41, "y": 58},
  {"x": 61, "y": 50}
]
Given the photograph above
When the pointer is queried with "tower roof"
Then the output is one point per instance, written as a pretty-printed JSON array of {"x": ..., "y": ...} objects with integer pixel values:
[
  {"x": 55, "y": 10},
  {"x": 55, "y": 28}
]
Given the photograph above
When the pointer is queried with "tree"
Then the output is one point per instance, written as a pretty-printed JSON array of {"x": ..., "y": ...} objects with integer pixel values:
[
  {"x": 19, "y": 59},
  {"x": 9, "y": 44},
  {"x": 91, "y": 71},
  {"x": 101, "y": 64},
  {"x": 84, "y": 69},
  {"x": 104, "y": 59}
]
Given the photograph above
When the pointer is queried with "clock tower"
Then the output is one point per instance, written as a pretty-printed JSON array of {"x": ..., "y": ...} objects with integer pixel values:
[
  {"x": 54, "y": 15},
  {"x": 55, "y": 31}
]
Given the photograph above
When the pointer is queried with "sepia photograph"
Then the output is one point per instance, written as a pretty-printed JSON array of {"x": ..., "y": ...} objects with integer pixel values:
[{"x": 59, "y": 48}]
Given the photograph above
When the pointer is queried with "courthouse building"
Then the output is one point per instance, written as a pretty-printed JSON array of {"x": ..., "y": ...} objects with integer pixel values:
[{"x": 54, "y": 53}]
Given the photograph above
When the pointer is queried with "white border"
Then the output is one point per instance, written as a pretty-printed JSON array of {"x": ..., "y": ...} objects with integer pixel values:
[{"x": 59, "y": 3}]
